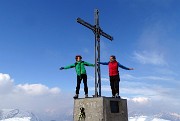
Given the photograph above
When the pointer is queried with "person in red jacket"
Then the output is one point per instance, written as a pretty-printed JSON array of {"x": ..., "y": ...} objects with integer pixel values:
[{"x": 114, "y": 74}]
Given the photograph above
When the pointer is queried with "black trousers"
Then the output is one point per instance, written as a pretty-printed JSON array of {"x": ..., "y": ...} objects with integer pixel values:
[
  {"x": 84, "y": 78},
  {"x": 114, "y": 83}
]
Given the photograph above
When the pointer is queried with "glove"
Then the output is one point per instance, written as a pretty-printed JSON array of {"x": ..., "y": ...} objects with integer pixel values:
[{"x": 61, "y": 68}]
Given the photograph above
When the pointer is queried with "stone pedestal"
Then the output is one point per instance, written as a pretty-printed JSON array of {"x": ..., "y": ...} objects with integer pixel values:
[{"x": 100, "y": 109}]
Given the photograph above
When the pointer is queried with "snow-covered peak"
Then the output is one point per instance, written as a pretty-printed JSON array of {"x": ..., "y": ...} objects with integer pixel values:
[
  {"x": 158, "y": 117},
  {"x": 146, "y": 118},
  {"x": 18, "y": 119},
  {"x": 17, "y": 115}
]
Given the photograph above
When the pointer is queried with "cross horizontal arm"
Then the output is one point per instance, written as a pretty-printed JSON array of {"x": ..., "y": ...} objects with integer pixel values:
[
  {"x": 79, "y": 20},
  {"x": 106, "y": 35}
]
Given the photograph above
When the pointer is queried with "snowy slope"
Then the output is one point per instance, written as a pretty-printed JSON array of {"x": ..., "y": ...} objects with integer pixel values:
[
  {"x": 157, "y": 117},
  {"x": 145, "y": 118},
  {"x": 17, "y": 115},
  {"x": 18, "y": 119}
]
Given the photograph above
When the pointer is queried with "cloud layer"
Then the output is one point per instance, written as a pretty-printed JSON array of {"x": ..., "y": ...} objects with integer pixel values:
[
  {"x": 47, "y": 102},
  {"x": 150, "y": 58},
  {"x": 36, "y": 89},
  {"x": 7, "y": 85}
]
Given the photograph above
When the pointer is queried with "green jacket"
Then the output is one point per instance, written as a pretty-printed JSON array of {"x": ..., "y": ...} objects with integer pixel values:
[{"x": 80, "y": 67}]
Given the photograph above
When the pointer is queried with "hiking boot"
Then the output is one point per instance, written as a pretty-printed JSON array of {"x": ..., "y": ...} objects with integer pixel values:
[
  {"x": 76, "y": 96},
  {"x": 117, "y": 96},
  {"x": 86, "y": 95}
]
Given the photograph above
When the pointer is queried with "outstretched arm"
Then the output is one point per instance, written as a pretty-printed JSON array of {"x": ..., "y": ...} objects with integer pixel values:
[
  {"x": 103, "y": 63},
  {"x": 123, "y": 67},
  {"x": 68, "y": 67},
  {"x": 89, "y": 64}
]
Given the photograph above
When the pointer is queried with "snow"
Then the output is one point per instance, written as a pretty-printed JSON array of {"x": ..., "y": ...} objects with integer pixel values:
[
  {"x": 18, "y": 119},
  {"x": 17, "y": 115},
  {"x": 140, "y": 118},
  {"x": 157, "y": 119},
  {"x": 145, "y": 118}
]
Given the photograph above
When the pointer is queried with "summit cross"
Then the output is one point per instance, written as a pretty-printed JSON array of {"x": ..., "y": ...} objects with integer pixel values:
[{"x": 97, "y": 32}]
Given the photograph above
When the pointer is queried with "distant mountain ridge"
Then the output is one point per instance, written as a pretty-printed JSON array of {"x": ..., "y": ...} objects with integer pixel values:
[
  {"x": 16, "y": 114},
  {"x": 19, "y": 115},
  {"x": 163, "y": 116},
  {"x": 169, "y": 116}
]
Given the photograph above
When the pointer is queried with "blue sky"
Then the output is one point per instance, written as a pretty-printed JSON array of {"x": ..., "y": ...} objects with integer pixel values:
[{"x": 38, "y": 37}]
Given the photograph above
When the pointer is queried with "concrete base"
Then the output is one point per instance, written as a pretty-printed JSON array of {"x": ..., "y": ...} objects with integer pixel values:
[{"x": 100, "y": 109}]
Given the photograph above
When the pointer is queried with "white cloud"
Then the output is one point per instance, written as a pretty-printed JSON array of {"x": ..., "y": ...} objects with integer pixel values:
[
  {"x": 50, "y": 102},
  {"x": 149, "y": 57},
  {"x": 165, "y": 71},
  {"x": 36, "y": 89},
  {"x": 147, "y": 78},
  {"x": 6, "y": 83},
  {"x": 103, "y": 79},
  {"x": 135, "y": 90},
  {"x": 161, "y": 89},
  {"x": 104, "y": 88},
  {"x": 146, "y": 96},
  {"x": 149, "y": 90},
  {"x": 47, "y": 102},
  {"x": 4, "y": 78},
  {"x": 142, "y": 86},
  {"x": 140, "y": 99},
  {"x": 150, "y": 47},
  {"x": 150, "y": 98}
]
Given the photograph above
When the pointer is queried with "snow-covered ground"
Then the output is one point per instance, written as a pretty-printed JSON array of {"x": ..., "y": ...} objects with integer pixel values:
[
  {"x": 164, "y": 116},
  {"x": 17, "y": 119},
  {"x": 17, "y": 115},
  {"x": 145, "y": 118}
]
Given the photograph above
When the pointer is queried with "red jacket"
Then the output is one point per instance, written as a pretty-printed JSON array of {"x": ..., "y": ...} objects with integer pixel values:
[{"x": 113, "y": 68}]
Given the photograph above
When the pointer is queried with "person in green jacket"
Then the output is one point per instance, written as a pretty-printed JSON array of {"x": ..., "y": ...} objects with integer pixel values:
[{"x": 79, "y": 65}]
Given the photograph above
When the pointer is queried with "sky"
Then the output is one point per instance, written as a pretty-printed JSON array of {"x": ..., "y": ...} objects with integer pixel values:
[{"x": 37, "y": 37}]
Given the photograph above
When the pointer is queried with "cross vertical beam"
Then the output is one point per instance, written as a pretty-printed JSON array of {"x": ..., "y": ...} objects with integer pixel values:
[
  {"x": 97, "y": 32},
  {"x": 97, "y": 51}
]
